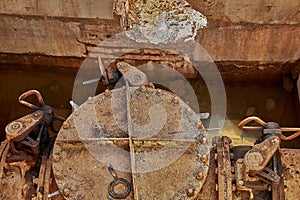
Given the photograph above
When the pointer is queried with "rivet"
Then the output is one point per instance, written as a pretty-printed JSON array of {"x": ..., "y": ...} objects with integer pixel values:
[
  {"x": 274, "y": 141},
  {"x": 241, "y": 182},
  {"x": 90, "y": 99},
  {"x": 233, "y": 187},
  {"x": 199, "y": 125},
  {"x": 204, "y": 159},
  {"x": 66, "y": 125},
  {"x": 56, "y": 157},
  {"x": 204, "y": 140},
  {"x": 200, "y": 176},
  {"x": 190, "y": 192},
  {"x": 175, "y": 100},
  {"x": 159, "y": 92},
  {"x": 66, "y": 192},
  {"x": 143, "y": 88},
  {"x": 76, "y": 111},
  {"x": 107, "y": 93},
  {"x": 15, "y": 126}
]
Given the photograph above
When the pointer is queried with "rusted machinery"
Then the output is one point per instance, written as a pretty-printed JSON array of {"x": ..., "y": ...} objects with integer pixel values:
[{"x": 141, "y": 142}]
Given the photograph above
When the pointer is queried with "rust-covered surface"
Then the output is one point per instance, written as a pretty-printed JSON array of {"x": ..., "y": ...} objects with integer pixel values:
[
  {"x": 291, "y": 172},
  {"x": 149, "y": 136}
]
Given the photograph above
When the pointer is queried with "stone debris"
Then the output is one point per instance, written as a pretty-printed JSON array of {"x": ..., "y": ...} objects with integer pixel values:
[{"x": 161, "y": 21}]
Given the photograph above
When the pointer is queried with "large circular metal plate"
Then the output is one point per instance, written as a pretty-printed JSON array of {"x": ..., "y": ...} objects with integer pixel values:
[{"x": 149, "y": 136}]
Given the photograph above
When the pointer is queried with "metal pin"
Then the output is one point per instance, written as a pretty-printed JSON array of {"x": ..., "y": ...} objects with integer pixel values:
[{"x": 53, "y": 194}]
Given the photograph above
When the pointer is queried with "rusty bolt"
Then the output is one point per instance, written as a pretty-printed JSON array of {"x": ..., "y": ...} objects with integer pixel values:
[
  {"x": 159, "y": 92},
  {"x": 175, "y": 100},
  {"x": 66, "y": 125},
  {"x": 15, "y": 126},
  {"x": 190, "y": 192},
  {"x": 274, "y": 141},
  {"x": 204, "y": 159},
  {"x": 199, "y": 125},
  {"x": 233, "y": 187},
  {"x": 204, "y": 140},
  {"x": 76, "y": 111},
  {"x": 90, "y": 99},
  {"x": 200, "y": 176},
  {"x": 241, "y": 182},
  {"x": 143, "y": 89},
  {"x": 217, "y": 187},
  {"x": 56, "y": 157},
  {"x": 66, "y": 192},
  {"x": 107, "y": 93}
]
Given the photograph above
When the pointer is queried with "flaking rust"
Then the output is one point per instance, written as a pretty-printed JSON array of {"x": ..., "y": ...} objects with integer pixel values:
[
  {"x": 159, "y": 21},
  {"x": 134, "y": 150}
]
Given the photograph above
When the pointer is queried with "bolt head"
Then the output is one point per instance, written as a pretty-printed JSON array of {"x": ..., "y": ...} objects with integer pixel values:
[
  {"x": 275, "y": 140},
  {"x": 55, "y": 157},
  {"x": 204, "y": 140},
  {"x": 175, "y": 100},
  {"x": 65, "y": 125},
  {"x": 143, "y": 88},
  {"x": 241, "y": 182},
  {"x": 199, "y": 125},
  {"x": 204, "y": 159},
  {"x": 66, "y": 192},
  {"x": 159, "y": 92},
  {"x": 107, "y": 93},
  {"x": 190, "y": 192},
  {"x": 200, "y": 176}
]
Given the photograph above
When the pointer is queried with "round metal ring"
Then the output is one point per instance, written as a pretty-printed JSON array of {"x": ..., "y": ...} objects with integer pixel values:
[{"x": 115, "y": 182}]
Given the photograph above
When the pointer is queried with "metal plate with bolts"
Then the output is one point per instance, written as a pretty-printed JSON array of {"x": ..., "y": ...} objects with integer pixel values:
[{"x": 150, "y": 136}]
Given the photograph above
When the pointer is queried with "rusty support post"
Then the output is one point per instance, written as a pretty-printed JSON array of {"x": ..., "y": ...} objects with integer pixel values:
[{"x": 224, "y": 168}]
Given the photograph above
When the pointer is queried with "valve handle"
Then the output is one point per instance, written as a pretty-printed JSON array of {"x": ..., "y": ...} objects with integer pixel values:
[
  {"x": 40, "y": 99},
  {"x": 30, "y": 105},
  {"x": 242, "y": 126}
]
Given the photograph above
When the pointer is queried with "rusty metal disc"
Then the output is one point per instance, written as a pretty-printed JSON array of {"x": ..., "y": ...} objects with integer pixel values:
[{"x": 150, "y": 137}]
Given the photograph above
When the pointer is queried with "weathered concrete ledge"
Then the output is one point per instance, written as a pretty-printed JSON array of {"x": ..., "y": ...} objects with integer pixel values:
[{"x": 265, "y": 35}]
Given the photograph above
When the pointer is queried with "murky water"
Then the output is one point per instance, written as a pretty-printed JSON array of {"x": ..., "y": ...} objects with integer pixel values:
[{"x": 266, "y": 99}]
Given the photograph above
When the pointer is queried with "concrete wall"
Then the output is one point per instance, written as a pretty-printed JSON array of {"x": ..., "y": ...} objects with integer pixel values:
[
  {"x": 238, "y": 30},
  {"x": 102, "y": 9}
]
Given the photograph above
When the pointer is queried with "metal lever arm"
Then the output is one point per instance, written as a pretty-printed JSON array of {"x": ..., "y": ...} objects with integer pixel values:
[{"x": 242, "y": 126}]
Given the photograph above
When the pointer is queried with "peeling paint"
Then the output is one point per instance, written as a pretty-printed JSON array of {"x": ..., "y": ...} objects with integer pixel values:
[{"x": 162, "y": 21}]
